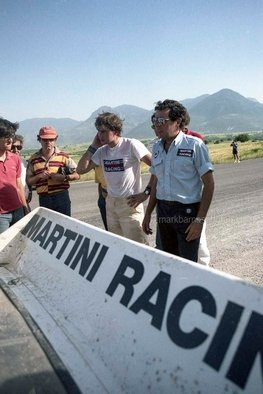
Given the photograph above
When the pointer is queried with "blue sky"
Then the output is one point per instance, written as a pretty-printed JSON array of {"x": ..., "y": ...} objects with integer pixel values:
[{"x": 66, "y": 58}]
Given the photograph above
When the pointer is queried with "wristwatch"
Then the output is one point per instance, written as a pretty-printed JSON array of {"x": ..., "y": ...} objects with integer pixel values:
[
  {"x": 147, "y": 190},
  {"x": 199, "y": 220}
]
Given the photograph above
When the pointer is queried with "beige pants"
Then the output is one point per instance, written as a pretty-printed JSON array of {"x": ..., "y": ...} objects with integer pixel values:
[
  {"x": 203, "y": 251},
  {"x": 125, "y": 220}
]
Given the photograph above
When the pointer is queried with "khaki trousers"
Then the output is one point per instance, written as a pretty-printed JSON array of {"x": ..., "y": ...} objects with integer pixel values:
[{"x": 125, "y": 220}]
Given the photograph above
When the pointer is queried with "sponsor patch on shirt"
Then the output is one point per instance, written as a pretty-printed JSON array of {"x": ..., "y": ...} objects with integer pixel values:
[
  {"x": 113, "y": 165},
  {"x": 185, "y": 152}
]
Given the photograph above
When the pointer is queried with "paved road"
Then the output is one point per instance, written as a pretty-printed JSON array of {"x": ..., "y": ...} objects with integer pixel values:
[{"x": 234, "y": 224}]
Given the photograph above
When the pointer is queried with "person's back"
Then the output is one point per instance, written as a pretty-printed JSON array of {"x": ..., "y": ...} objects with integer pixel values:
[{"x": 193, "y": 134}]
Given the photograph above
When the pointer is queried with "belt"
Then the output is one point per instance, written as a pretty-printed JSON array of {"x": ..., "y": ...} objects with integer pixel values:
[
  {"x": 176, "y": 203},
  {"x": 52, "y": 194}
]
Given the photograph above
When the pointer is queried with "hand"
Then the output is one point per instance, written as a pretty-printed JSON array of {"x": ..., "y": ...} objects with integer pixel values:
[
  {"x": 193, "y": 231},
  {"x": 26, "y": 210},
  {"x": 136, "y": 199},
  {"x": 44, "y": 175},
  {"x": 96, "y": 143},
  {"x": 29, "y": 198},
  {"x": 57, "y": 177},
  {"x": 146, "y": 224}
]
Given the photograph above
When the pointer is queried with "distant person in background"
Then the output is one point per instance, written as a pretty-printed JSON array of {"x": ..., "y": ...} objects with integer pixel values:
[
  {"x": 51, "y": 170},
  {"x": 102, "y": 192},
  {"x": 13, "y": 205},
  {"x": 235, "y": 151},
  {"x": 16, "y": 148}
]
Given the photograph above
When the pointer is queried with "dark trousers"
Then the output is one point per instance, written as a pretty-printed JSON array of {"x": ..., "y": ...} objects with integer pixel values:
[
  {"x": 173, "y": 219},
  {"x": 102, "y": 205},
  {"x": 59, "y": 202}
]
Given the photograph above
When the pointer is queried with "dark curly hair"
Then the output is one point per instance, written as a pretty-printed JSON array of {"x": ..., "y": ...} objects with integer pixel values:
[
  {"x": 177, "y": 111},
  {"x": 7, "y": 128},
  {"x": 109, "y": 120}
]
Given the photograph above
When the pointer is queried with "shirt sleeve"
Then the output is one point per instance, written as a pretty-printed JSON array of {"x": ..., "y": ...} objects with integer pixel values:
[
  {"x": 71, "y": 164},
  {"x": 139, "y": 149},
  {"x": 202, "y": 160},
  {"x": 96, "y": 157}
]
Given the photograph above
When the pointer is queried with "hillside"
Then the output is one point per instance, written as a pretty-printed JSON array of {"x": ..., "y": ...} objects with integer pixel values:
[
  {"x": 227, "y": 111},
  {"x": 224, "y": 111}
]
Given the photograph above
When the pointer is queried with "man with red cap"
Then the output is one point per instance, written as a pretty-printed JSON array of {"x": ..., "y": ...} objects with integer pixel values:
[{"x": 51, "y": 169}]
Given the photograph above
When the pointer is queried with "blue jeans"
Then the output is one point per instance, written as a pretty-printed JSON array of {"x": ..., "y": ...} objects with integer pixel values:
[
  {"x": 59, "y": 202},
  {"x": 10, "y": 218}
]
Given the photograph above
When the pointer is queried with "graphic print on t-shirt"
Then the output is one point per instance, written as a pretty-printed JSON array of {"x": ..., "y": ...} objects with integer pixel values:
[{"x": 113, "y": 165}]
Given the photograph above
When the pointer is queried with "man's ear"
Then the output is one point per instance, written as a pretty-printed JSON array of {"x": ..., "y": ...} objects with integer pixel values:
[{"x": 178, "y": 121}]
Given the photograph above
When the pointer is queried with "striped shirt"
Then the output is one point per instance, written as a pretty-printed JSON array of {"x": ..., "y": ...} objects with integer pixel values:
[{"x": 37, "y": 164}]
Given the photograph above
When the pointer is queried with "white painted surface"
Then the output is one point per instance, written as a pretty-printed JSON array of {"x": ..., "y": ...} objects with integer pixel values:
[{"x": 111, "y": 347}]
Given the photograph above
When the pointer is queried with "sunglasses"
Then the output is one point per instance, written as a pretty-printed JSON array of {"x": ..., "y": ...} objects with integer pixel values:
[
  {"x": 48, "y": 139},
  {"x": 160, "y": 121},
  {"x": 18, "y": 147}
]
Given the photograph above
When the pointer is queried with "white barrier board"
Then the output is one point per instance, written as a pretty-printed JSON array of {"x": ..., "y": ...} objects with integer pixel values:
[{"x": 126, "y": 318}]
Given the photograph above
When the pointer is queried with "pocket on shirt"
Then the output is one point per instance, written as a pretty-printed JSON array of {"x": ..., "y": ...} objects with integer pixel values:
[
  {"x": 182, "y": 162},
  {"x": 158, "y": 166}
]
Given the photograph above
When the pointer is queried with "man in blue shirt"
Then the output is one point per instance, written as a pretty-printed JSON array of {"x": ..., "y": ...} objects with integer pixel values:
[{"x": 182, "y": 184}]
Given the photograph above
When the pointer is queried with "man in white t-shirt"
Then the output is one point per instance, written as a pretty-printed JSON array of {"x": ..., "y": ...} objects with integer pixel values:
[{"x": 120, "y": 160}]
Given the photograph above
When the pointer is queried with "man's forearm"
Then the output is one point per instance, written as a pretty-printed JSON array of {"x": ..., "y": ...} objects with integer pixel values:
[
  {"x": 85, "y": 164},
  {"x": 207, "y": 195},
  {"x": 152, "y": 201}
]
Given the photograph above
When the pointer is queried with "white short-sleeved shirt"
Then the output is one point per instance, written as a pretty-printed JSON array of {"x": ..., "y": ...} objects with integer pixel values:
[
  {"x": 179, "y": 171},
  {"x": 121, "y": 166}
]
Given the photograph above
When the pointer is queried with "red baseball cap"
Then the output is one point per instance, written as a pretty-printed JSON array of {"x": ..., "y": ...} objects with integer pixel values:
[{"x": 47, "y": 132}]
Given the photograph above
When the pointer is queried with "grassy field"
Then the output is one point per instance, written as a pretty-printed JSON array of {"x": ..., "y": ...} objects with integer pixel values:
[
  {"x": 222, "y": 152},
  {"x": 219, "y": 152}
]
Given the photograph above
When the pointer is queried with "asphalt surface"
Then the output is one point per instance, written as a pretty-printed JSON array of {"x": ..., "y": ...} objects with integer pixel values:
[{"x": 234, "y": 223}]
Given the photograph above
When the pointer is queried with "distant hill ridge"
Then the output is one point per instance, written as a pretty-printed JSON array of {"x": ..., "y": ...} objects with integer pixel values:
[{"x": 221, "y": 112}]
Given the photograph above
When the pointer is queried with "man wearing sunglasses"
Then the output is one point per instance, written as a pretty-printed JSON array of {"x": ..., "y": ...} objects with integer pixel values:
[
  {"x": 183, "y": 183},
  {"x": 51, "y": 169},
  {"x": 13, "y": 204},
  {"x": 16, "y": 148}
]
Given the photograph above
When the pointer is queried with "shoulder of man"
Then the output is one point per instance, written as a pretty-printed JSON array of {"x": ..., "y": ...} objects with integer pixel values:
[
  {"x": 195, "y": 134},
  {"x": 35, "y": 155},
  {"x": 61, "y": 152},
  {"x": 193, "y": 139}
]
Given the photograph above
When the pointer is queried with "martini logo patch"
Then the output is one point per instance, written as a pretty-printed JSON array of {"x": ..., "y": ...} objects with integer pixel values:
[{"x": 185, "y": 152}]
